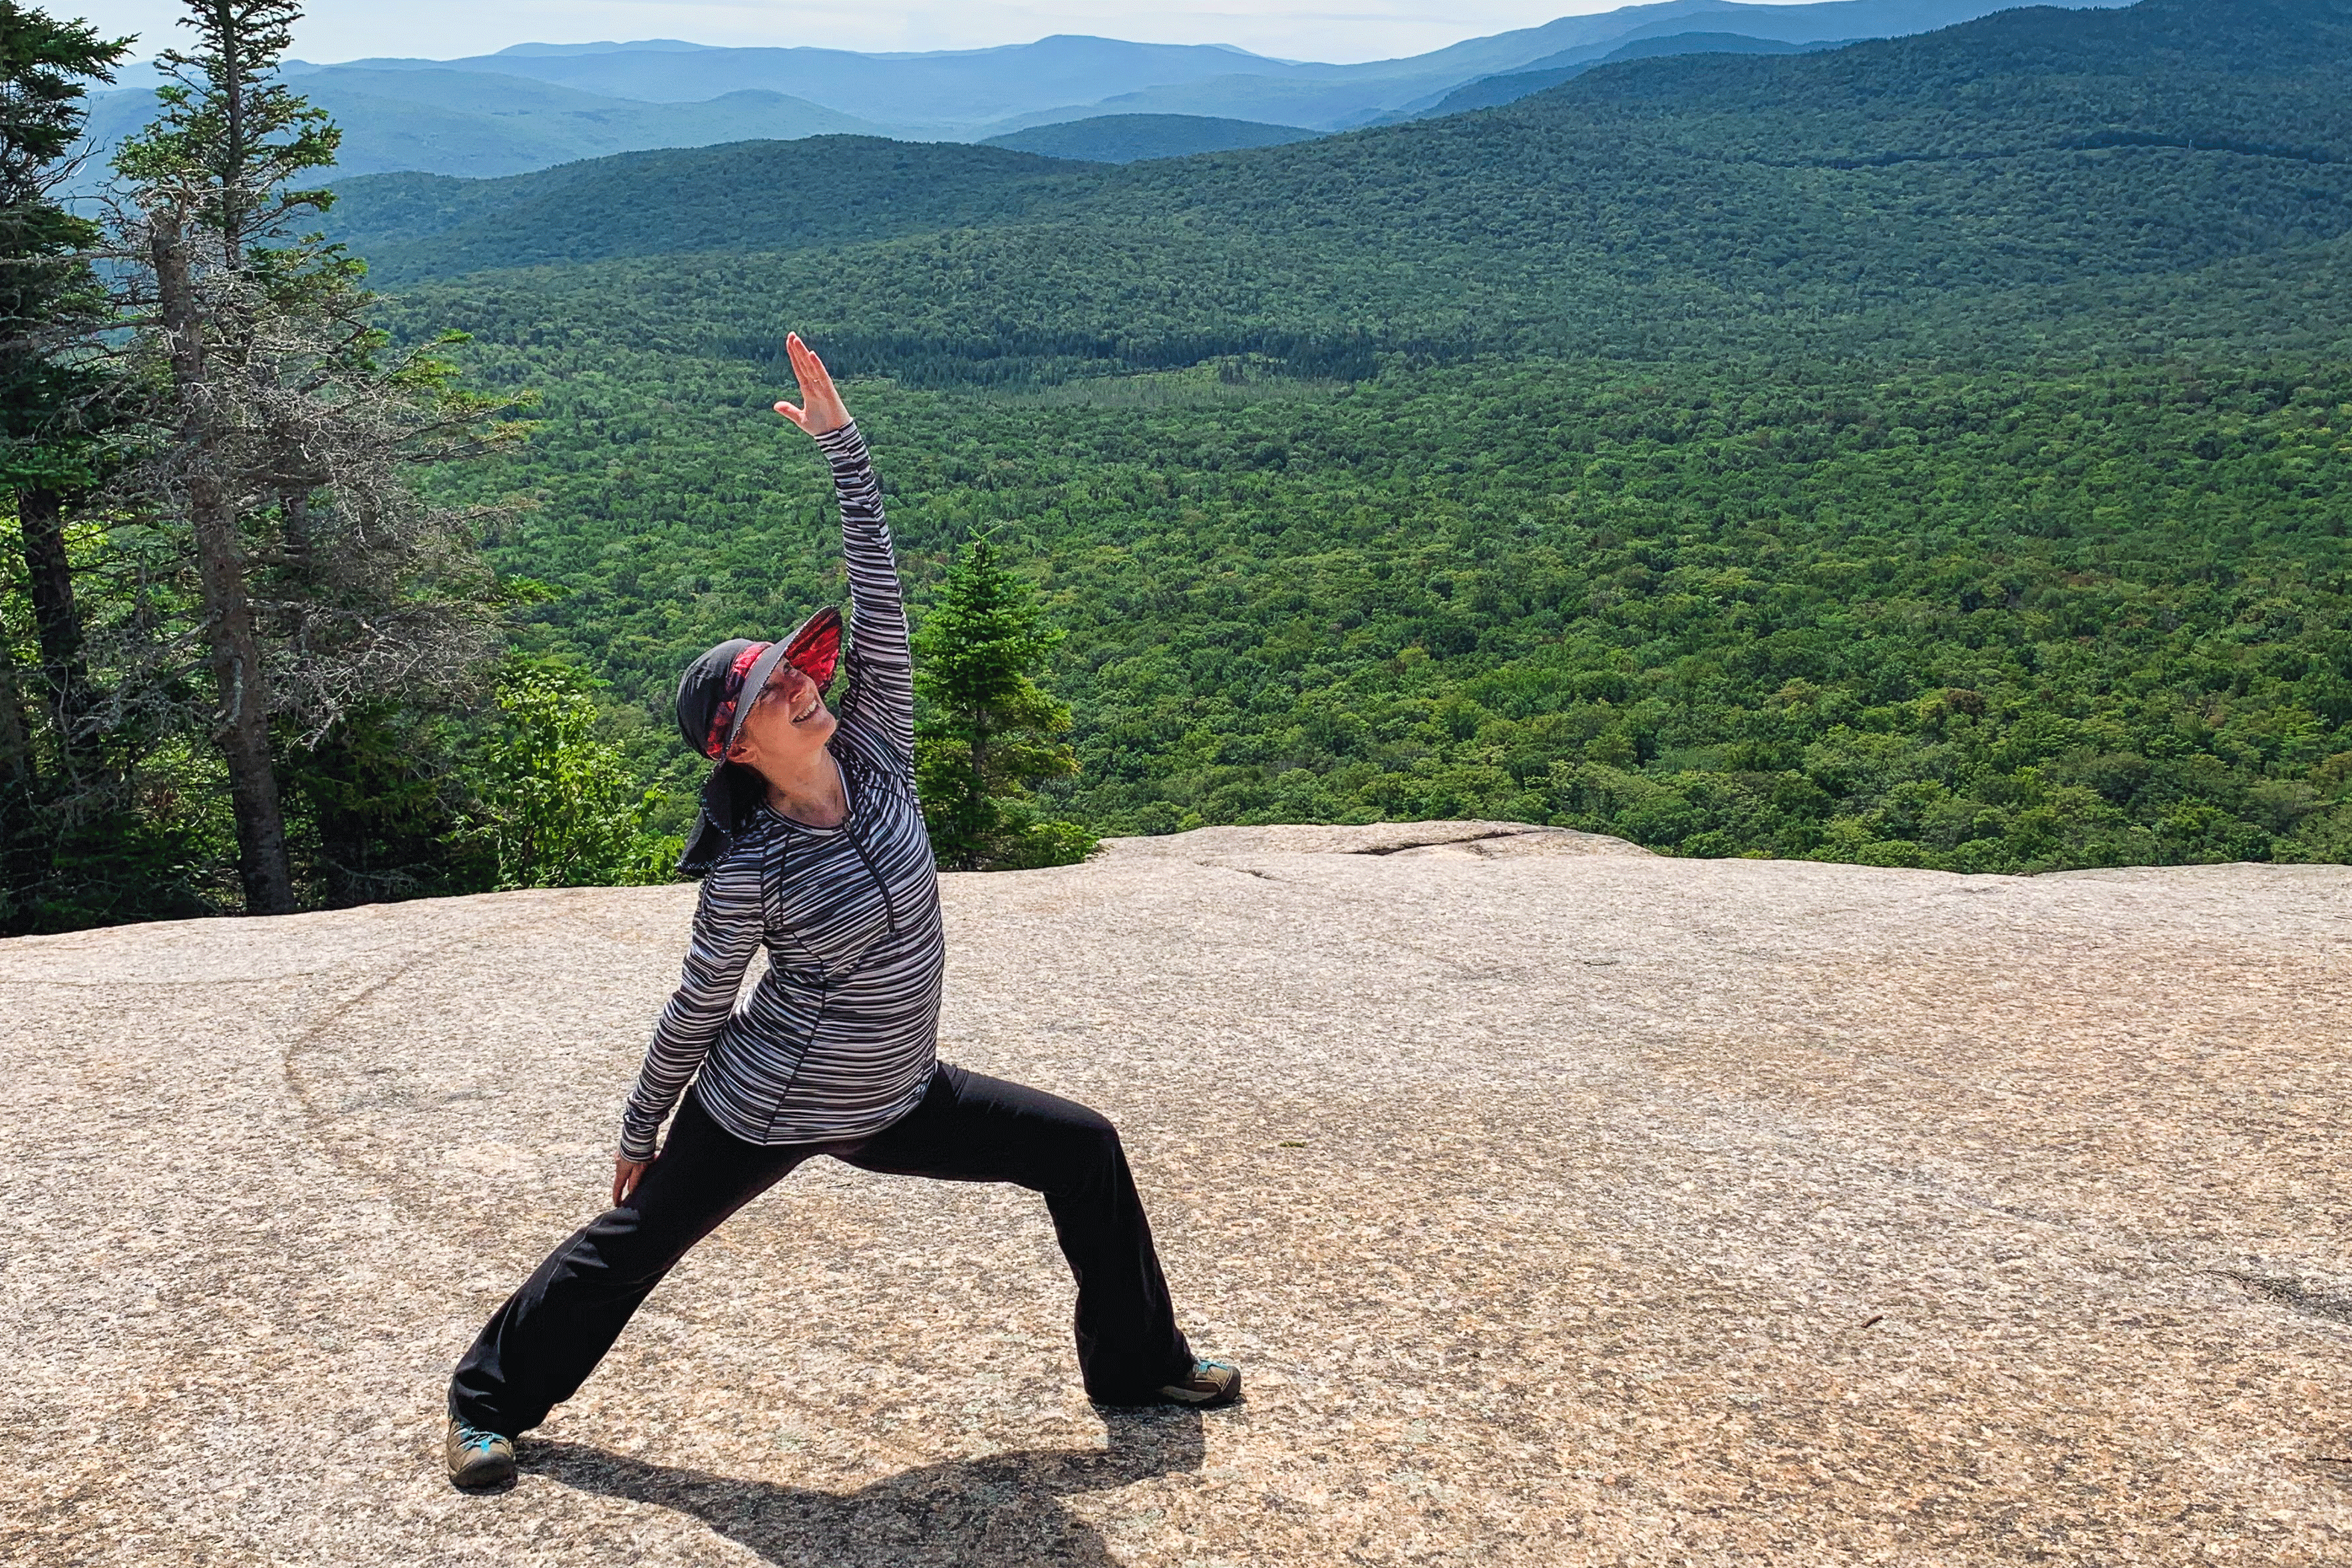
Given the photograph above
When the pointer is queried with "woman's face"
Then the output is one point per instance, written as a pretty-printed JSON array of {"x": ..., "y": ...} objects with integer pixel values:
[{"x": 787, "y": 726}]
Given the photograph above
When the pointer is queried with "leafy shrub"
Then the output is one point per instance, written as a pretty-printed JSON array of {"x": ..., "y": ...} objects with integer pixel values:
[{"x": 558, "y": 805}]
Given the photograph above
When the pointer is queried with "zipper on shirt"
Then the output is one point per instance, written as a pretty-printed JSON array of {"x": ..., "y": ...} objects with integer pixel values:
[
  {"x": 857, "y": 842},
  {"x": 889, "y": 907}
]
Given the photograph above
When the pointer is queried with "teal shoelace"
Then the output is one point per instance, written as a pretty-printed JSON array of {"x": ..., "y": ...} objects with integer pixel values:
[{"x": 475, "y": 1437}]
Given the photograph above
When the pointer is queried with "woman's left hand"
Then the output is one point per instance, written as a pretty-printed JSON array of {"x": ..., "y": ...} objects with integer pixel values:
[
  {"x": 626, "y": 1174},
  {"x": 820, "y": 411}
]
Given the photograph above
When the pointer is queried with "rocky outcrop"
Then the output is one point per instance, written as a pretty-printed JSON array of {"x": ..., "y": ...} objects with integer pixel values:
[{"x": 1566, "y": 1203}]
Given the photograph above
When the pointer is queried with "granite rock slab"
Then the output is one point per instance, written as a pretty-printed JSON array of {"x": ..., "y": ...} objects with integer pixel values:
[{"x": 1566, "y": 1204}]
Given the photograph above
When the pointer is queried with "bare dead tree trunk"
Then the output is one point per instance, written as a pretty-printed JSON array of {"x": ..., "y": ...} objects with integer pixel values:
[
  {"x": 56, "y": 619},
  {"x": 243, "y": 727}
]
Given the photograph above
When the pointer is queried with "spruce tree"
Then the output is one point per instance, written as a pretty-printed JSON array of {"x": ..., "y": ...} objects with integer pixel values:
[
  {"x": 54, "y": 393},
  {"x": 987, "y": 735}
]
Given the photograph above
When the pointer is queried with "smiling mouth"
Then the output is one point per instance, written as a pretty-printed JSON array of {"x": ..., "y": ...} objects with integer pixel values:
[{"x": 809, "y": 712}]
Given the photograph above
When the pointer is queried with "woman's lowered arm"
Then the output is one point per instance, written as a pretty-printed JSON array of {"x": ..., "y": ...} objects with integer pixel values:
[{"x": 727, "y": 928}]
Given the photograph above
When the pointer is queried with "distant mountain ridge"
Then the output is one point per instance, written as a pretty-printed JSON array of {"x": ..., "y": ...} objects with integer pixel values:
[
  {"x": 946, "y": 92},
  {"x": 1489, "y": 92},
  {"x": 537, "y": 105},
  {"x": 1132, "y": 137},
  {"x": 1938, "y": 183},
  {"x": 479, "y": 125},
  {"x": 751, "y": 195}
]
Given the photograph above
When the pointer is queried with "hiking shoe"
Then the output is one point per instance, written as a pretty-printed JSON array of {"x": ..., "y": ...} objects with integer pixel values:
[
  {"x": 1209, "y": 1385},
  {"x": 478, "y": 1458}
]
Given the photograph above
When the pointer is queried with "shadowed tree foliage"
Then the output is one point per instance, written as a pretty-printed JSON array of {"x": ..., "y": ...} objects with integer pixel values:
[
  {"x": 987, "y": 735},
  {"x": 54, "y": 398}
]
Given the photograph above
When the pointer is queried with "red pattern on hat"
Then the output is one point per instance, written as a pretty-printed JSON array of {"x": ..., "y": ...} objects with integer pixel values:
[
  {"x": 816, "y": 650},
  {"x": 722, "y": 718}
]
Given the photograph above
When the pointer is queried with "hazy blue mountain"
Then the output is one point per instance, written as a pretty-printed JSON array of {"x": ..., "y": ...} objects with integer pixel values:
[
  {"x": 1824, "y": 24},
  {"x": 948, "y": 90},
  {"x": 1320, "y": 104},
  {"x": 1716, "y": 44},
  {"x": 1488, "y": 92},
  {"x": 1335, "y": 98},
  {"x": 537, "y": 105},
  {"x": 1130, "y": 137},
  {"x": 607, "y": 48},
  {"x": 957, "y": 92},
  {"x": 1654, "y": 46},
  {"x": 1528, "y": 47},
  {"x": 476, "y": 124}
]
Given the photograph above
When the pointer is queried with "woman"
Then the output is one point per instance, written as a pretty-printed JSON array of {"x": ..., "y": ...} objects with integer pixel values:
[{"x": 811, "y": 843}]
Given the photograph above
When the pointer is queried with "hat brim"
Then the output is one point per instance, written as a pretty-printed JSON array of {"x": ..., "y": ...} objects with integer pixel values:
[{"x": 814, "y": 650}]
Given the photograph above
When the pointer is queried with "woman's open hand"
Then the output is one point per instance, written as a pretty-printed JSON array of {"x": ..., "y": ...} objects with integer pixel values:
[{"x": 820, "y": 411}]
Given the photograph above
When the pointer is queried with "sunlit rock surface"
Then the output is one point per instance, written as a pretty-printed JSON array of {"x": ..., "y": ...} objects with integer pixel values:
[{"x": 1565, "y": 1203}]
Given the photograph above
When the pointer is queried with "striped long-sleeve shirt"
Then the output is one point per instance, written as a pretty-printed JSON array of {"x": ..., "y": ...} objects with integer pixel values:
[{"x": 838, "y": 1038}]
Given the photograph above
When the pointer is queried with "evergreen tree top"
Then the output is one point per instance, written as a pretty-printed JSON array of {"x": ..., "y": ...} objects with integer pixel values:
[
  {"x": 231, "y": 134},
  {"x": 49, "y": 300},
  {"x": 45, "y": 67},
  {"x": 985, "y": 633}
]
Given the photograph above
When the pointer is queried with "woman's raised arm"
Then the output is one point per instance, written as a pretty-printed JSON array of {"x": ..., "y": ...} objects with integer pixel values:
[{"x": 878, "y": 701}]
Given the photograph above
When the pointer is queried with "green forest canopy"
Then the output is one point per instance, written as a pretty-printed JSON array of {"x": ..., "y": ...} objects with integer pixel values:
[{"x": 1933, "y": 451}]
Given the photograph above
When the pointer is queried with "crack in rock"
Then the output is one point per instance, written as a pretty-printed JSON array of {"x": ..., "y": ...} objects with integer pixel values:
[
  {"x": 1440, "y": 843},
  {"x": 2293, "y": 1292}
]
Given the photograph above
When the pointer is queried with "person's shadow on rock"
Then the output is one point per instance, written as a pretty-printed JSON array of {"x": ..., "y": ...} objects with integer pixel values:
[{"x": 1000, "y": 1511}]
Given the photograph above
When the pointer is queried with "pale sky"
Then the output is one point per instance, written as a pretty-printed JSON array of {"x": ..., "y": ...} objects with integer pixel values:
[{"x": 1337, "y": 30}]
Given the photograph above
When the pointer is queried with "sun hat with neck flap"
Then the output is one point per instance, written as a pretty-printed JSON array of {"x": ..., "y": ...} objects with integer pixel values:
[{"x": 715, "y": 696}]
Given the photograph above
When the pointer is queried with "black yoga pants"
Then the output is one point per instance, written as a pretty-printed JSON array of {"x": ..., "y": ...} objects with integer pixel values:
[{"x": 538, "y": 1347}]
